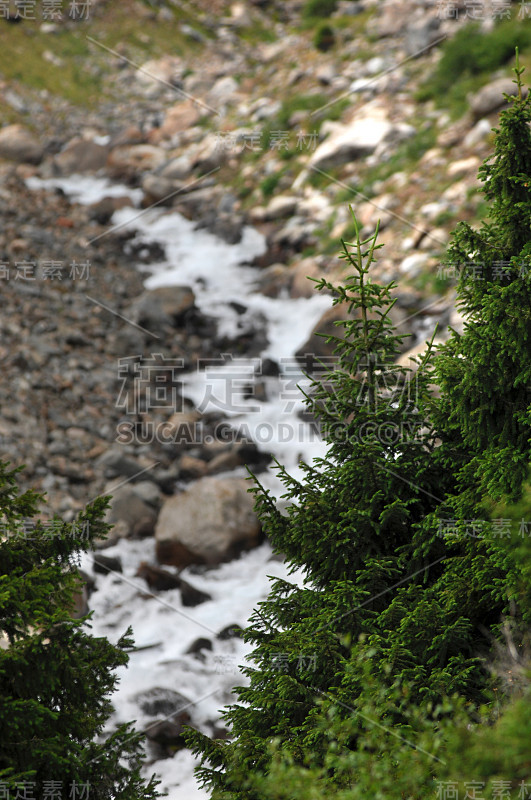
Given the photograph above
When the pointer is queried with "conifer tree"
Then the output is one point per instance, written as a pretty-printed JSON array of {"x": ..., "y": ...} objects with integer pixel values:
[
  {"x": 365, "y": 524},
  {"x": 55, "y": 678}
]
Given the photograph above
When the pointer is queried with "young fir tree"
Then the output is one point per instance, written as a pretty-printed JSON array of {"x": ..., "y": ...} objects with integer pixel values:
[
  {"x": 365, "y": 526},
  {"x": 55, "y": 678}
]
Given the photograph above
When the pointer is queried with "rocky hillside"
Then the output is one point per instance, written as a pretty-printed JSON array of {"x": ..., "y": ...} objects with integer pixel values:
[
  {"x": 274, "y": 115},
  {"x": 239, "y": 115}
]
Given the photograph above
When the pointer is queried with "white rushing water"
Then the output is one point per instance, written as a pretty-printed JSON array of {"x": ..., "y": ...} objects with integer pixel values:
[{"x": 217, "y": 273}]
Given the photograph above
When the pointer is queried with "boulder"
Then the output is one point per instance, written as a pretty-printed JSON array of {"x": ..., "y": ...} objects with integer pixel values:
[
  {"x": 81, "y": 155},
  {"x": 105, "y": 564},
  {"x": 161, "y": 580},
  {"x": 127, "y": 161},
  {"x": 211, "y": 522},
  {"x": 316, "y": 346},
  {"x": 159, "y": 74},
  {"x": 301, "y": 285},
  {"x": 157, "y": 308},
  {"x": 128, "y": 509},
  {"x": 281, "y": 206},
  {"x": 178, "y": 118},
  {"x": 491, "y": 97},
  {"x": 164, "y": 702},
  {"x": 349, "y": 142},
  {"x": 17, "y": 143},
  {"x": 160, "y": 190},
  {"x": 223, "y": 91}
]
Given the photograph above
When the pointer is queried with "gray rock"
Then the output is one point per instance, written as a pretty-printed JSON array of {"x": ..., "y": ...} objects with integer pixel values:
[
  {"x": 161, "y": 701},
  {"x": 162, "y": 307},
  {"x": 105, "y": 564},
  {"x": 490, "y": 98},
  {"x": 161, "y": 189},
  {"x": 129, "y": 510},
  {"x": 116, "y": 462},
  {"x": 148, "y": 492},
  {"x": 420, "y": 35},
  {"x": 81, "y": 155}
]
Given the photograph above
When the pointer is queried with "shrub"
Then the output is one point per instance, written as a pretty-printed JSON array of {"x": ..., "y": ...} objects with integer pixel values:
[
  {"x": 318, "y": 8},
  {"x": 324, "y": 38}
]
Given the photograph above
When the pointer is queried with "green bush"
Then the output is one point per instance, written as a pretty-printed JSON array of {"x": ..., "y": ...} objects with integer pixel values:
[
  {"x": 318, "y": 8},
  {"x": 471, "y": 53},
  {"x": 324, "y": 38},
  {"x": 269, "y": 184}
]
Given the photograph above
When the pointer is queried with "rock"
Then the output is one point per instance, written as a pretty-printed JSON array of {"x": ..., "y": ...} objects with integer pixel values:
[
  {"x": 421, "y": 35},
  {"x": 158, "y": 74},
  {"x": 157, "y": 578},
  {"x": 246, "y": 454},
  {"x": 202, "y": 643},
  {"x": 390, "y": 20},
  {"x": 104, "y": 564},
  {"x": 161, "y": 580},
  {"x": 209, "y": 154},
  {"x": 301, "y": 286},
  {"x": 274, "y": 280},
  {"x": 166, "y": 736},
  {"x": 163, "y": 702},
  {"x": 128, "y": 508},
  {"x": 463, "y": 166},
  {"x": 81, "y": 155},
  {"x": 129, "y": 135},
  {"x": 316, "y": 347},
  {"x": 280, "y": 207},
  {"x": 413, "y": 265},
  {"x": 127, "y": 161},
  {"x": 17, "y": 143},
  {"x": 211, "y": 522},
  {"x": 191, "y": 596},
  {"x": 158, "y": 189},
  {"x": 178, "y": 118},
  {"x": 477, "y": 134},
  {"x": 233, "y": 631},
  {"x": 81, "y": 596},
  {"x": 191, "y": 468},
  {"x": 178, "y": 168},
  {"x": 148, "y": 492},
  {"x": 223, "y": 92},
  {"x": 157, "y": 308},
  {"x": 349, "y": 142},
  {"x": 103, "y": 209},
  {"x": 268, "y": 367},
  {"x": 116, "y": 462},
  {"x": 490, "y": 98},
  {"x": 406, "y": 359}
]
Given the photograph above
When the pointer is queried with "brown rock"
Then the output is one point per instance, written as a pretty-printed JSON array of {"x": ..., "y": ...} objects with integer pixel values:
[
  {"x": 17, "y": 143},
  {"x": 129, "y": 160},
  {"x": 301, "y": 286},
  {"x": 178, "y": 118},
  {"x": 211, "y": 522}
]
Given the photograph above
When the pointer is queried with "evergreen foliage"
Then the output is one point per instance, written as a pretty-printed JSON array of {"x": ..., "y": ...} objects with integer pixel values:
[
  {"x": 386, "y": 584},
  {"x": 55, "y": 678}
]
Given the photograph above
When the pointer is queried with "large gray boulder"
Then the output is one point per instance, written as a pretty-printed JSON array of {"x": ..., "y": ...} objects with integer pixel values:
[
  {"x": 211, "y": 522},
  {"x": 491, "y": 97}
]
